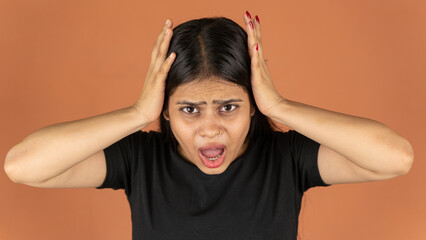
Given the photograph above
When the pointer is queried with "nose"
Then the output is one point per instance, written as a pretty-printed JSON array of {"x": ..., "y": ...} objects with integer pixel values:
[{"x": 210, "y": 126}]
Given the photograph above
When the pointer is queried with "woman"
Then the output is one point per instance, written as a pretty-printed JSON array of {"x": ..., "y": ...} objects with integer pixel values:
[{"x": 218, "y": 169}]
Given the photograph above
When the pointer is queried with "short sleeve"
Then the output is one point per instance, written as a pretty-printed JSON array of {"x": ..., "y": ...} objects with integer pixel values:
[
  {"x": 304, "y": 152},
  {"x": 121, "y": 162}
]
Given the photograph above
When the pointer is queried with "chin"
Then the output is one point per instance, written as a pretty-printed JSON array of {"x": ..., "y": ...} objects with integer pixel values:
[{"x": 214, "y": 171}]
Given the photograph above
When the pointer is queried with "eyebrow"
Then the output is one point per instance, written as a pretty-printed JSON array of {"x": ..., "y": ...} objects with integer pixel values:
[{"x": 220, "y": 102}]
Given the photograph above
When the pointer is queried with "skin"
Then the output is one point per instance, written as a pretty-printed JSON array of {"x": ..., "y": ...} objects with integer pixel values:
[
  {"x": 352, "y": 149},
  {"x": 197, "y": 125}
]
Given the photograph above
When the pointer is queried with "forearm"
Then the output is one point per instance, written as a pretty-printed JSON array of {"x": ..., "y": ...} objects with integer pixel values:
[
  {"x": 54, "y": 149},
  {"x": 366, "y": 143}
]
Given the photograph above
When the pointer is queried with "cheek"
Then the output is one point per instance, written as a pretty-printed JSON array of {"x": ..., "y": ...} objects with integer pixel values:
[
  {"x": 238, "y": 128},
  {"x": 182, "y": 130}
]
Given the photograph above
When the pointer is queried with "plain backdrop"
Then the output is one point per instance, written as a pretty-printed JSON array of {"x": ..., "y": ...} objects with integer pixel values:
[{"x": 67, "y": 60}]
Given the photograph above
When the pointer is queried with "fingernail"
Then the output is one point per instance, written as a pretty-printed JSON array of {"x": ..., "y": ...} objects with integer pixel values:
[
  {"x": 167, "y": 22},
  {"x": 251, "y": 25},
  {"x": 257, "y": 46},
  {"x": 257, "y": 19},
  {"x": 248, "y": 14}
]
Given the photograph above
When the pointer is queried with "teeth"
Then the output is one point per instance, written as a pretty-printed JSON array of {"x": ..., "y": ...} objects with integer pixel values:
[{"x": 214, "y": 158}]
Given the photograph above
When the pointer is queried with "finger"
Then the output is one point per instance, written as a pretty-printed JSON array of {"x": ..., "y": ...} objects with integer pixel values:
[
  {"x": 256, "y": 23},
  {"x": 165, "y": 68},
  {"x": 259, "y": 64},
  {"x": 163, "y": 34},
  {"x": 247, "y": 17},
  {"x": 160, "y": 38},
  {"x": 255, "y": 63},
  {"x": 260, "y": 50},
  {"x": 256, "y": 31},
  {"x": 251, "y": 39},
  {"x": 255, "y": 57},
  {"x": 253, "y": 23},
  {"x": 168, "y": 24},
  {"x": 253, "y": 32},
  {"x": 162, "y": 51}
]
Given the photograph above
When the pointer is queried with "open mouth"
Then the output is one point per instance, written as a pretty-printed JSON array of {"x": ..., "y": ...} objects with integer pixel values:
[{"x": 212, "y": 156}]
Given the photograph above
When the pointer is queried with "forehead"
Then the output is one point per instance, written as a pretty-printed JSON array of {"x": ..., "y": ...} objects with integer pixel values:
[{"x": 209, "y": 88}]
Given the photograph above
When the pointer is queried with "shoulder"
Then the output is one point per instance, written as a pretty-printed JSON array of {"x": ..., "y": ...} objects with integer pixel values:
[
  {"x": 280, "y": 137},
  {"x": 274, "y": 141},
  {"x": 142, "y": 138},
  {"x": 293, "y": 142},
  {"x": 273, "y": 136},
  {"x": 145, "y": 135},
  {"x": 151, "y": 135},
  {"x": 290, "y": 136},
  {"x": 289, "y": 133}
]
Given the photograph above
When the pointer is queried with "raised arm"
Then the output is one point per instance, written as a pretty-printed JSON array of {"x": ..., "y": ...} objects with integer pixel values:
[
  {"x": 54, "y": 149},
  {"x": 67, "y": 150},
  {"x": 353, "y": 149}
]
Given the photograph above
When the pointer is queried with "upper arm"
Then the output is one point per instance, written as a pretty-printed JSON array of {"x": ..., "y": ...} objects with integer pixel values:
[
  {"x": 336, "y": 169},
  {"x": 89, "y": 173}
]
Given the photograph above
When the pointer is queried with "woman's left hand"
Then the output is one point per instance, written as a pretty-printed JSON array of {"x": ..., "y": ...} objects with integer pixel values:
[{"x": 265, "y": 94}]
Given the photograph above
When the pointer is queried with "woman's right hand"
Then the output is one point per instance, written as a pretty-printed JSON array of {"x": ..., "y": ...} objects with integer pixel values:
[{"x": 150, "y": 102}]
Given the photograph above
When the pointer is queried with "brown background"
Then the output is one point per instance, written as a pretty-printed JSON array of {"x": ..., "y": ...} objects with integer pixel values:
[{"x": 67, "y": 60}]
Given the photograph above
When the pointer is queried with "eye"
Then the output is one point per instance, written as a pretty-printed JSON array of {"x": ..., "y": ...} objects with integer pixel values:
[
  {"x": 228, "y": 107},
  {"x": 189, "y": 109}
]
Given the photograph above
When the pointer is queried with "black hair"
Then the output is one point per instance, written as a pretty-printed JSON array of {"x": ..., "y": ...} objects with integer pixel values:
[{"x": 206, "y": 48}]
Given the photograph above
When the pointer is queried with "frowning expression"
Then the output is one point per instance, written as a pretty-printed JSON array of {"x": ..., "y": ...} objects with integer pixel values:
[{"x": 210, "y": 120}]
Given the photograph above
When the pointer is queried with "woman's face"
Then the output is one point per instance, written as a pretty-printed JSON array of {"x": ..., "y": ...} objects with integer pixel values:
[{"x": 210, "y": 120}]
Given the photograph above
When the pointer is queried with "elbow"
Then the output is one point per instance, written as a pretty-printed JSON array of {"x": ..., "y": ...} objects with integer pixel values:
[
  {"x": 13, "y": 167},
  {"x": 10, "y": 169},
  {"x": 9, "y": 165},
  {"x": 19, "y": 166},
  {"x": 407, "y": 159}
]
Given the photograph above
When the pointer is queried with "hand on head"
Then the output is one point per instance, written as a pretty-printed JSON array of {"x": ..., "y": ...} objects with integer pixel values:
[
  {"x": 196, "y": 111},
  {"x": 150, "y": 102},
  {"x": 265, "y": 94}
]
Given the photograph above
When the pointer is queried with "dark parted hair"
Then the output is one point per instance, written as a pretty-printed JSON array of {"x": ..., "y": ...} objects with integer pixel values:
[{"x": 211, "y": 47}]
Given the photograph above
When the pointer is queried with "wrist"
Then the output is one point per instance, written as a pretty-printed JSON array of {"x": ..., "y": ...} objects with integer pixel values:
[
  {"x": 281, "y": 110},
  {"x": 139, "y": 116}
]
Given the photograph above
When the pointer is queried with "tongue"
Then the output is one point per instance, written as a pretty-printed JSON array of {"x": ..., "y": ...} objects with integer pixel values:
[{"x": 212, "y": 152}]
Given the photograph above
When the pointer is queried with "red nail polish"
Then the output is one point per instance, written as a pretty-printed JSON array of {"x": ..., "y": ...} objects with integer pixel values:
[
  {"x": 248, "y": 14},
  {"x": 257, "y": 19},
  {"x": 257, "y": 46},
  {"x": 251, "y": 25}
]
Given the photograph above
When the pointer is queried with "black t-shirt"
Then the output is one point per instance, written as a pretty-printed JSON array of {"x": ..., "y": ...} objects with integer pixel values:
[{"x": 257, "y": 197}]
